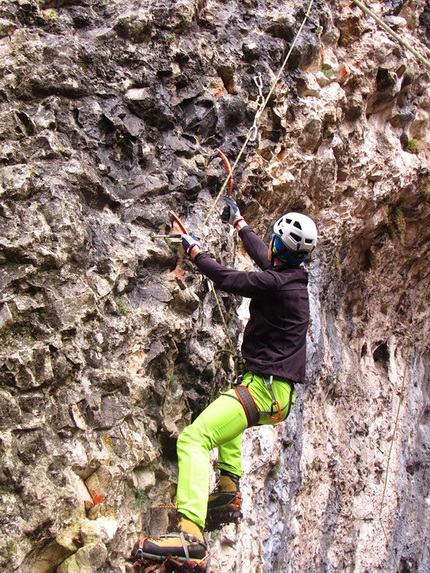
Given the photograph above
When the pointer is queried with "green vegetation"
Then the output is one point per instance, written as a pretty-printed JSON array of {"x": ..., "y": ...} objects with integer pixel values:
[
  {"x": 140, "y": 498},
  {"x": 338, "y": 267},
  {"x": 328, "y": 72},
  {"x": 316, "y": 465},
  {"x": 172, "y": 246},
  {"x": 154, "y": 466},
  {"x": 398, "y": 219},
  {"x": 426, "y": 191},
  {"x": 386, "y": 200},
  {"x": 412, "y": 146},
  {"x": 172, "y": 379},
  {"x": 121, "y": 307},
  {"x": 275, "y": 470},
  {"x": 393, "y": 215}
]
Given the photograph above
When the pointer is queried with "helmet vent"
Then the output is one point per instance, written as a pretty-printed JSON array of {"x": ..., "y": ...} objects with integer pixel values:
[{"x": 296, "y": 232}]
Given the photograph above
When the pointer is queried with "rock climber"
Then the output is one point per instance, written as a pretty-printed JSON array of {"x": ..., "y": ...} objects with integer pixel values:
[{"x": 274, "y": 354}]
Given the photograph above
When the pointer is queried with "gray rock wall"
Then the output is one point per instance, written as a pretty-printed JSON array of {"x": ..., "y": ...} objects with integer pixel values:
[{"x": 110, "y": 116}]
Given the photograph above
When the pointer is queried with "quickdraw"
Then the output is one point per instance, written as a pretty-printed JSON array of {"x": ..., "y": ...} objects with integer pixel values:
[{"x": 253, "y": 132}]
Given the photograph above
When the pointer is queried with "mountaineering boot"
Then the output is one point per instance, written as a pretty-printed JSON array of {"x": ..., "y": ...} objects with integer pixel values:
[
  {"x": 185, "y": 545},
  {"x": 224, "y": 502}
]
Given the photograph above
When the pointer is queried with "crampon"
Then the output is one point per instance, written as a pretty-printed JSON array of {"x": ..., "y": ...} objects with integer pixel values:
[
  {"x": 147, "y": 563},
  {"x": 229, "y": 512}
]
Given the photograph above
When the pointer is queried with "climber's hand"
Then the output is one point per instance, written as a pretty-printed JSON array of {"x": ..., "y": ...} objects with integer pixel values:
[
  {"x": 189, "y": 242},
  {"x": 231, "y": 213}
]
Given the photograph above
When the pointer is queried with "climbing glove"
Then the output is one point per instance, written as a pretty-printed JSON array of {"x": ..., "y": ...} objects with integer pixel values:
[
  {"x": 231, "y": 213},
  {"x": 190, "y": 241}
]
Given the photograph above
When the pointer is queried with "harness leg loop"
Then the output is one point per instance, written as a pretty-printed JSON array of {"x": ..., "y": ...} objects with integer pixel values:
[{"x": 251, "y": 410}]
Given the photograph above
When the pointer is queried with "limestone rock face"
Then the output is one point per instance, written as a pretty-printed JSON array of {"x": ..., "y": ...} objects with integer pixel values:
[{"x": 111, "y": 114}]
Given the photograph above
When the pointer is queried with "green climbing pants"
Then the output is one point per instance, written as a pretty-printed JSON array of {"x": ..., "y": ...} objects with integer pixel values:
[{"x": 221, "y": 425}]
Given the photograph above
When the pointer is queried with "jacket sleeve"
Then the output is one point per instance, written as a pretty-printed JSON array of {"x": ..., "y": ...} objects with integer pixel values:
[
  {"x": 255, "y": 247},
  {"x": 250, "y": 285}
]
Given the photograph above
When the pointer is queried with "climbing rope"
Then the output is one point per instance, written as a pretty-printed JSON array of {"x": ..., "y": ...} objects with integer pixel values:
[
  {"x": 381, "y": 23},
  {"x": 262, "y": 103},
  {"x": 224, "y": 323},
  {"x": 252, "y": 133},
  {"x": 251, "y": 136},
  {"x": 392, "y": 442}
]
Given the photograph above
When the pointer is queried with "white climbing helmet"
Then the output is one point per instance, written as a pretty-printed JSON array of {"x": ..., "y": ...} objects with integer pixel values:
[{"x": 297, "y": 232}]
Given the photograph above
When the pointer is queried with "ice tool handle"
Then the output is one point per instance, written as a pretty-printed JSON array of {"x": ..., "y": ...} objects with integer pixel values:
[{"x": 227, "y": 166}]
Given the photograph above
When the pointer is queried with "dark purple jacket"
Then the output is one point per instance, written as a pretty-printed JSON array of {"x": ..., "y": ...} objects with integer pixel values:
[{"x": 274, "y": 341}]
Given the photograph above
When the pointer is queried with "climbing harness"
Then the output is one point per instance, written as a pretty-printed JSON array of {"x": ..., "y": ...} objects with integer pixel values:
[
  {"x": 383, "y": 25},
  {"x": 251, "y": 409}
]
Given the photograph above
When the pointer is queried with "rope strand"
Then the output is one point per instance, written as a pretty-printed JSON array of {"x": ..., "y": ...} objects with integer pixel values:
[
  {"x": 392, "y": 33},
  {"x": 258, "y": 116},
  {"x": 393, "y": 439}
]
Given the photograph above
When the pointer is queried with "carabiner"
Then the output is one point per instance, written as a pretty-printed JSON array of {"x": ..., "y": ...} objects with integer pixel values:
[
  {"x": 259, "y": 83},
  {"x": 274, "y": 401},
  {"x": 278, "y": 407},
  {"x": 253, "y": 132}
]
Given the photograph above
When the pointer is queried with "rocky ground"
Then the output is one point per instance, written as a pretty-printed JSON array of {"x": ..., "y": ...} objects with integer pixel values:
[{"x": 111, "y": 114}]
